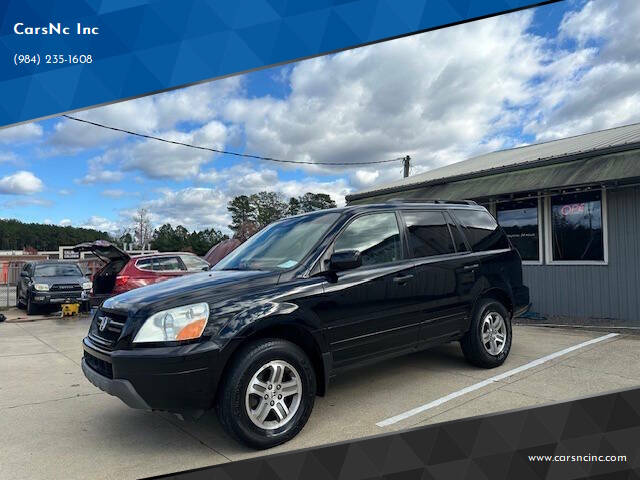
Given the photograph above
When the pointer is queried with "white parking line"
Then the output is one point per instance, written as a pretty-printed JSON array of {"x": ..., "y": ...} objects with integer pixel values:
[{"x": 489, "y": 381}]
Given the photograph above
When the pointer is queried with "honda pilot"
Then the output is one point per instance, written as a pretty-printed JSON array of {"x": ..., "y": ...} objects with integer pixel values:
[{"x": 262, "y": 333}]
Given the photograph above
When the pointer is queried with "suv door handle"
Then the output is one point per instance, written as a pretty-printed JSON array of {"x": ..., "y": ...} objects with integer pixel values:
[
  {"x": 471, "y": 267},
  {"x": 402, "y": 278}
]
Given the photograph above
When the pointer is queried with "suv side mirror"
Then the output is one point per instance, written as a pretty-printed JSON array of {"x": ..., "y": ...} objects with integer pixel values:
[
  {"x": 24, "y": 274},
  {"x": 345, "y": 260}
]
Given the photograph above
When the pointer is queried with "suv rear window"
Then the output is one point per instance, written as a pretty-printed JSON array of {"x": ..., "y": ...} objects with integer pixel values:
[
  {"x": 428, "y": 234},
  {"x": 193, "y": 263},
  {"x": 482, "y": 230},
  {"x": 160, "y": 264}
]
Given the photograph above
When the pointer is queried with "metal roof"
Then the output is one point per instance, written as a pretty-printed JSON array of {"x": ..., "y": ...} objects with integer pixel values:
[{"x": 516, "y": 159}]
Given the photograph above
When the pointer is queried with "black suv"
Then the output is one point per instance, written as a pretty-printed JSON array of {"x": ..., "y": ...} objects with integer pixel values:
[
  {"x": 261, "y": 334},
  {"x": 51, "y": 283}
]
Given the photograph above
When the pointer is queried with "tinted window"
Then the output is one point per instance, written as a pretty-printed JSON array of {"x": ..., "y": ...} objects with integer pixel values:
[
  {"x": 145, "y": 264},
  {"x": 520, "y": 220},
  {"x": 481, "y": 230},
  {"x": 375, "y": 236},
  {"x": 193, "y": 263},
  {"x": 576, "y": 228},
  {"x": 428, "y": 234},
  {"x": 167, "y": 264}
]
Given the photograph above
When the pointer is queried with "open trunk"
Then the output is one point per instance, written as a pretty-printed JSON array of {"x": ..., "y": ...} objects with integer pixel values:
[{"x": 104, "y": 280}]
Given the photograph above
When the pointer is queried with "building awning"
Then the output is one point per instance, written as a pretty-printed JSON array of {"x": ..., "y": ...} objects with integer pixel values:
[{"x": 606, "y": 169}]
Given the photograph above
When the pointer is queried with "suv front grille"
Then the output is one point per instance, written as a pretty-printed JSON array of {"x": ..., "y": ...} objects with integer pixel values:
[
  {"x": 106, "y": 328},
  {"x": 103, "y": 368},
  {"x": 65, "y": 287}
]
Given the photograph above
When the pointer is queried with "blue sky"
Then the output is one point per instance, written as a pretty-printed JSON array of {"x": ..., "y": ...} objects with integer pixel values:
[{"x": 550, "y": 72}]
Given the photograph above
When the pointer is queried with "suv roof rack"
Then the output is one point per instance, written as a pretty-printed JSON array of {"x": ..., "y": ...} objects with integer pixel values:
[{"x": 430, "y": 200}]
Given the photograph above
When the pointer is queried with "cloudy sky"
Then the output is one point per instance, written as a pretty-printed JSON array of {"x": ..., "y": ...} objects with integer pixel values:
[{"x": 441, "y": 97}]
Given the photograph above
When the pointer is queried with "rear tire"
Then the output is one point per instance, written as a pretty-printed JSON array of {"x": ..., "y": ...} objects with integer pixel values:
[
  {"x": 273, "y": 376},
  {"x": 488, "y": 341}
]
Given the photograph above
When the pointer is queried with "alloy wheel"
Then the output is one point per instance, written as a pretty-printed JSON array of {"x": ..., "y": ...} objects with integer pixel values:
[
  {"x": 273, "y": 395},
  {"x": 494, "y": 333}
]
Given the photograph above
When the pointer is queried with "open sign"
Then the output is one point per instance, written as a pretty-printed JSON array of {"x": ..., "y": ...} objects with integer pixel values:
[{"x": 572, "y": 209}]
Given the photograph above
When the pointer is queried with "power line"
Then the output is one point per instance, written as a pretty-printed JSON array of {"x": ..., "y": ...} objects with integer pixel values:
[{"x": 226, "y": 152}]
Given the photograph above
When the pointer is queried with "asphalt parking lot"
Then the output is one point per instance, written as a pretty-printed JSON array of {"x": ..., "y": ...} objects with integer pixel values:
[{"x": 55, "y": 424}]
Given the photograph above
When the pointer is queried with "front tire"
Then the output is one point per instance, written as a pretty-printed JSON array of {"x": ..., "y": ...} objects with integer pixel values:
[
  {"x": 19, "y": 302},
  {"x": 31, "y": 308},
  {"x": 488, "y": 341},
  {"x": 268, "y": 393}
]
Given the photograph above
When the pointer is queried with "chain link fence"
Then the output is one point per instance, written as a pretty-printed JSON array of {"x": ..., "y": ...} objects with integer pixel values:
[{"x": 10, "y": 277}]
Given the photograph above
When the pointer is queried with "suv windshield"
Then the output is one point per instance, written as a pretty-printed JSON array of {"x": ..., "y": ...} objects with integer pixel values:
[
  {"x": 281, "y": 245},
  {"x": 60, "y": 270}
]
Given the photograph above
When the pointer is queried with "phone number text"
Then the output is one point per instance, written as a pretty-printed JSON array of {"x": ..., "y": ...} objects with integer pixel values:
[{"x": 36, "y": 59}]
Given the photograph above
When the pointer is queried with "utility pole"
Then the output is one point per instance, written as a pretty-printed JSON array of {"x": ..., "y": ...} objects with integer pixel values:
[{"x": 407, "y": 164}]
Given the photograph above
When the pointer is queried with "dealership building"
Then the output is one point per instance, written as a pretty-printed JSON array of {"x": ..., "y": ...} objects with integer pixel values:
[{"x": 572, "y": 209}]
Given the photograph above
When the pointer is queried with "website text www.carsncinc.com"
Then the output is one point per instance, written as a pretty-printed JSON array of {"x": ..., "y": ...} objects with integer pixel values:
[{"x": 578, "y": 458}]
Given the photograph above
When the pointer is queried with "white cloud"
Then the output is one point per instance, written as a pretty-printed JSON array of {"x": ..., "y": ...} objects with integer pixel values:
[
  {"x": 21, "y": 133},
  {"x": 8, "y": 157},
  {"x": 100, "y": 169},
  {"x": 65, "y": 222},
  {"x": 192, "y": 207},
  {"x": 408, "y": 96},
  {"x": 28, "y": 202},
  {"x": 113, "y": 193},
  {"x": 100, "y": 223},
  {"x": 163, "y": 160},
  {"x": 20, "y": 183},
  {"x": 598, "y": 86},
  {"x": 205, "y": 206},
  {"x": 161, "y": 112},
  {"x": 64, "y": 191}
]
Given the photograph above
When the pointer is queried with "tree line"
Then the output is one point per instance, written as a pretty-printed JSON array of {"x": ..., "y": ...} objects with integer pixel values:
[
  {"x": 17, "y": 235},
  {"x": 249, "y": 214}
]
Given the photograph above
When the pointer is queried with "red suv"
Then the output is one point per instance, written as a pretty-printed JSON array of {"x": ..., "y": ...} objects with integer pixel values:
[{"x": 124, "y": 272}]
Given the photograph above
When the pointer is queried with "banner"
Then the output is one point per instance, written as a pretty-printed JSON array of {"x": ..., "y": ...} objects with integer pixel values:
[{"x": 64, "y": 56}]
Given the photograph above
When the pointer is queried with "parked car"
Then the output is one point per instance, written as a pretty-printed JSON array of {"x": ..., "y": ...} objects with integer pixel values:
[
  {"x": 50, "y": 283},
  {"x": 124, "y": 272},
  {"x": 261, "y": 334}
]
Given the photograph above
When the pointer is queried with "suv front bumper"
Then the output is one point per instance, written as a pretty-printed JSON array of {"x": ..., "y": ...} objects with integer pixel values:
[
  {"x": 116, "y": 387},
  {"x": 48, "y": 298},
  {"x": 180, "y": 378}
]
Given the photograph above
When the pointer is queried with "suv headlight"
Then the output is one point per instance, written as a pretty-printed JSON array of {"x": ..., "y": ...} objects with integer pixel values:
[
  {"x": 181, "y": 323},
  {"x": 87, "y": 285},
  {"x": 41, "y": 287}
]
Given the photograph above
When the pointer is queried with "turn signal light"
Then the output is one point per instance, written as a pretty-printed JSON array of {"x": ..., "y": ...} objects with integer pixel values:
[{"x": 192, "y": 330}]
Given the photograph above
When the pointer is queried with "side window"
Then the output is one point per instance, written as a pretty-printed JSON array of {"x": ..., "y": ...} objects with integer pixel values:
[
  {"x": 482, "y": 230},
  {"x": 193, "y": 263},
  {"x": 167, "y": 264},
  {"x": 145, "y": 264},
  {"x": 428, "y": 234},
  {"x": 376, "y": 236}
]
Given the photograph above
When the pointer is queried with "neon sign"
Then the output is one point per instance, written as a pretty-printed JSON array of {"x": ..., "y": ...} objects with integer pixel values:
[{"x": 572, "y": 209}]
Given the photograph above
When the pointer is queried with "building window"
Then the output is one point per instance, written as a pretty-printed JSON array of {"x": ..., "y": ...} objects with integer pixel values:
[
  {"x": 521, "y": 221},
  {"x": 577, "y": 230}
]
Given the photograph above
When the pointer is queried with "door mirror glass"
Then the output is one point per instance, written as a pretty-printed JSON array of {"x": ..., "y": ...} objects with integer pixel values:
[{"x": 345, "y": 260}]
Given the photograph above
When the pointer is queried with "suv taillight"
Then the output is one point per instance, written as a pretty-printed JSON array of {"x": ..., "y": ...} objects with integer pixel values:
[{"x": 121, "y": 282}]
